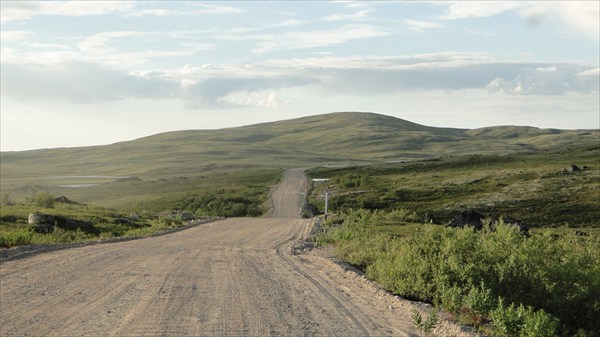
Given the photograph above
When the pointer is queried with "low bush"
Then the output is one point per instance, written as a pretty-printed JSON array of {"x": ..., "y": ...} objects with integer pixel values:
[
  {"x": 59, "y": 235},
  {"x": 530, "y": 188},
  {"x": 10, "y": 238},
  {"x": 425, "y": 325},
  {"x": 79, "y": 223},
  {"x": 515, "y": 320},
  {"x": 43, "y": 199},
  {"x": 479, "y": 301},
  {"x": 226, "y": 202},
  {"x": 465, "y": 271},
  {"x": 351, "y": 180}
]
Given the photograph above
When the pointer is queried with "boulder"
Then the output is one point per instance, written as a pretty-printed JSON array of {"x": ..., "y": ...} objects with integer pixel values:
[
  {"x": 512, "y": 222},
  {"x": 43, "y": 229},
  {"x": 571, "y": 169},
  {"x": 123, "y": 221},
  {"x": 65, "y": 200},
  {"x": 45, "y": 223},
  {"x": 37, "y": 218},
  {"x": 475, "y": 219},
  {"x": 73, "y": 224},
  {"x": 467, "y": 218},
  {"x": 183, "y": 215}
]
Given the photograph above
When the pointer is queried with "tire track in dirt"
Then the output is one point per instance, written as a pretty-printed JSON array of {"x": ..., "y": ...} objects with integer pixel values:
[
  {"x": 357, "y": 326},
  {"x": 235, "y": 277}
]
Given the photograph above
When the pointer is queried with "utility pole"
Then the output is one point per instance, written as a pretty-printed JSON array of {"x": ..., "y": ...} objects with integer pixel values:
[{"x": 326, "y": 202}]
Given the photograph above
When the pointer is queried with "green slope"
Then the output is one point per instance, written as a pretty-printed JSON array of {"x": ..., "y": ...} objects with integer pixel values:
[{"x": 335, "y": 139}]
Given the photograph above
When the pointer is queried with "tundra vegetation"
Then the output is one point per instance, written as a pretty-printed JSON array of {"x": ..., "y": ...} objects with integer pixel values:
[
  {"x": 220, "y": 195},
  {"x": 393, "y": 184},
  {"x": 387, "y": 220}
]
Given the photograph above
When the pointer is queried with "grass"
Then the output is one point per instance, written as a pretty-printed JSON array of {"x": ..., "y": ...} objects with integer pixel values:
[
  {"x": 97, "y": 223},
  {"x": 501, "y": 281},
  {"x": 529, "y": 187},
  {"x": 144, "y": 164},
  {"x": 142, "y": 211},
  {"x": 137, "y": 195}
]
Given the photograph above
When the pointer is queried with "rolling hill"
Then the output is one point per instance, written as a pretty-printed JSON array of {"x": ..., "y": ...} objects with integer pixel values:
[{"x": 333, "y": 139}]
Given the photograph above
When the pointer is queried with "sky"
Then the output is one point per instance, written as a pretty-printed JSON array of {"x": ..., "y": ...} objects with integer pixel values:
[{"x": 99, "y": 72}]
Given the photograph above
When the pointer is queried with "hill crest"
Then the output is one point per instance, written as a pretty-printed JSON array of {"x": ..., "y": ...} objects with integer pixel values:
[{"x": 342, "y": 137}]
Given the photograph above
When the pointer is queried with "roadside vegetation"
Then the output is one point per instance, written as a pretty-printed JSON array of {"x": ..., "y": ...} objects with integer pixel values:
[
  {"x": 500, "y": 280},
  {"x": 528, "y": 187},
  {"x": 77, "y": 223},
  {"x": 235, "y": 194},
  {"x": 386, "y": 220},
  {"x": 386, "y": 217},
  {"x": 221, "y": 195}
]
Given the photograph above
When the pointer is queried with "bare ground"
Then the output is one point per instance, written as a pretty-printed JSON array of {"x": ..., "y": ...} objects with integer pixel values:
[{"x": 236, "y": 277}]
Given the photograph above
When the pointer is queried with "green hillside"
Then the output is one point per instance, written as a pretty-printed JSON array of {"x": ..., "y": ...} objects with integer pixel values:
[{"x": 107, "y": 174}]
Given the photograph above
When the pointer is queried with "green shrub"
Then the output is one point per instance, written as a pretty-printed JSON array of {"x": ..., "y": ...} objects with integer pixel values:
[
  {"x": 524, "y": 322},
  {"x": 350, "y": 180},
  {"x": 6, "y": 200},
  {"x": 427, "y": 325},
  {"x": 450, "y": 298},
  {"x": 43, "y": 199},
  {"x": 539, "y": 324},
  {"x": 508, "y": 320},
  {"x": 60, "y": 235},
  {"x": 15, "y": 237},
  {"x": 479, "y": 301},
  {"x": 362, "y": 251},
  {"x": 236, "y": 202},
  {"x": 560, "y": 276}
]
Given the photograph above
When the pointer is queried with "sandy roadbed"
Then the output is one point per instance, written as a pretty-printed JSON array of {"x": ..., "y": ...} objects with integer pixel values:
[{"x": 236, "y": 277}]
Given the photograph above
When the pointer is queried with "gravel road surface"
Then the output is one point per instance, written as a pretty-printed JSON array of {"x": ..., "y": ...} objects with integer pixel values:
[{"x": 235, "y": 277}]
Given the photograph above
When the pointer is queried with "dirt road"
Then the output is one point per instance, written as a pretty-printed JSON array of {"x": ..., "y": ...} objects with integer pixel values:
[
  {"x": 235, "y": 277},
  {"x": 287, "y": 197}
]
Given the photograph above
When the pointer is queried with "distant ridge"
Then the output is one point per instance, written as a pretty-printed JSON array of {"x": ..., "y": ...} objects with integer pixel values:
[{"x": 342, "y": 137}]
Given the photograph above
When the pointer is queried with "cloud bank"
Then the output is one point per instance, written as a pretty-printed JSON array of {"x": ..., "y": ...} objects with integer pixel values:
[
  {"x": 210, "y": 85},
  {"x": 582, "y": 16}
]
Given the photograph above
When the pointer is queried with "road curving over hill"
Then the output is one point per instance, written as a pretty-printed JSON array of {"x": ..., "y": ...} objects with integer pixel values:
[{"x": 236, "y": 277}]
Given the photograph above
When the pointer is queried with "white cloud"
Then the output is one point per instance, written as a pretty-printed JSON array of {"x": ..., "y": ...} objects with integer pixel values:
[
  {"x": 58, "y": 57},
  {"x": 159, "y": 12},
  {"x": 431, "y": 60},
  {"x": 46, "y": 57},
  {"x": 547, "y": 80},
  {"x": 48, "y": 46},
  {"x": 590, "y": 72},
  {"x": 216, "y": 9},
  {"x": 100, "y": 48},
  {"x": 257, "y": 99},
  {"x": 349, "y": 17},
  {"x": 229, "y": 85},
  {"x": 354, "y": 4},
  {"x": 481, "y": 33},
  {"x": 547, "y": 69},
  {"x": 98, "y": 43},
  {"x": 273, "y": 102},
  {"x": 583, "y": 16},
  {"x": 286, "y": 23},
  {"x": 202, "y": 9},
  {"x": 15, "y": 35},
  {"x": 420, "y": 26},
  {"x": 478, "y": 9},
  {"x": 317, "y": 38},
  {"x": 580, "y": 16},
  {"x": 25, "y": 10}
]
